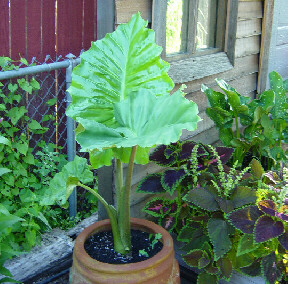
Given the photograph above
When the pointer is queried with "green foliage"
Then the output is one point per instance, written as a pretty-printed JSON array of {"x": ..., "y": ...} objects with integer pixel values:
[
  {"x": 25, "y": 172},
  {"x": 261, "y": 124}
]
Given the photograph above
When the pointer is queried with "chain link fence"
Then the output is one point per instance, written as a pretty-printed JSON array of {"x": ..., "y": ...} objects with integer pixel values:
[{"x": 48, "y": 104}]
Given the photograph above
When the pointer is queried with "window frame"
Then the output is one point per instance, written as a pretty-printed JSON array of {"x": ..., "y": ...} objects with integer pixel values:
[{"x": 189, "y": 67}]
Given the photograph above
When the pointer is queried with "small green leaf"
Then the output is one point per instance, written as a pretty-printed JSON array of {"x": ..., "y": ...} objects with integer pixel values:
[
  {"x": 51, "y": 102},
  {"x": 24, "y": 61},
  {"x": 22, "y": 148},
  {"x": 202, "y": 198},
  {"x": 4, "y": 171},
  {"x": 12, "y": 87},
  {"x": 219, "y": 236},
  {"x": 34, "y": 84},
  {"x": 7, "y": 221},
  {"x": 24, "y": 85},
  {"x": 257, "y": 169},
  {"x": 16, "y": 113},
  {"x": 243, "y": 195},
  {"x": 205, "y": 278},
  {"x": 34, "y": 125},
  {"x": 26, "y": 195},
  {"x": 246, "y": 245},
  {"x": 31, "y": 237},
  {"x": 225, "y": 266}
]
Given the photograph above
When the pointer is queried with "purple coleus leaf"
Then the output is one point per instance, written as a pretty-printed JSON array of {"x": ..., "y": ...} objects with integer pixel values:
[
  {"x": 162, "y": 156},
  {"x": 282, "y": 216},
  {"x": 283, "y": 240},
  {"x": 154, "y": 207},
  {"x": 245, "y": 218},
  {"x": 151, "y": 184},
  {"x": 224, "y": 153},
  {"x": 172, "y": 178},
  {"x": 266, "y": 228},
  {"x": 168, "y": 223},
  {"x": 206, "y": 158},
  {"x": 270, "y": 269},
  {"x": 268, "y": 207},
  {"x": 186, "y": 151},
  {"x": 253, "y": 269}
]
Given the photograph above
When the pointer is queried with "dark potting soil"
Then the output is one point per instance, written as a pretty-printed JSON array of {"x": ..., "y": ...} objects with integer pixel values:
[{"x": 100, "y": 246}]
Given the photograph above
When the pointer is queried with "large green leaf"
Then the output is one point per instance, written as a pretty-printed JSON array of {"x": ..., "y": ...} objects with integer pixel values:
[
  {"x": 123, "y": 62},
  {"x": 63, "y": 183},
  {"x": 142, "y": 119}
]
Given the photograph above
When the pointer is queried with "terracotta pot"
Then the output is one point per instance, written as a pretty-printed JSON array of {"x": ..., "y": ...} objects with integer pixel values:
[{"x": 161, "y": 268}]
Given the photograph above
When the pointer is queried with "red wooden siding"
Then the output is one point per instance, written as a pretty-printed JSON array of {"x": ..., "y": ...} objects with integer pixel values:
[{"x": 41, "y": 27}]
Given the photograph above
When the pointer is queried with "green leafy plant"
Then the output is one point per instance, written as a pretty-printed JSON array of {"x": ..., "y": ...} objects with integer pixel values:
[
  {"x": 264, "y": 225},
  {"x": 122, "y": 102},
  {"x": 207, "y": 191},
  {"x": 261, "y": 124},
  {"x": 24, "y": 174}
]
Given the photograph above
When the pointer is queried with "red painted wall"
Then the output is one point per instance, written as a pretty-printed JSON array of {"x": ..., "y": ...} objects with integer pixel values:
[{"x": 41, "y": 27}]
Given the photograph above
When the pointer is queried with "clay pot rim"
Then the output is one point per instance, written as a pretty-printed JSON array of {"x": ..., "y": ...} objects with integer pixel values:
[{"x": 96, "y": 265}]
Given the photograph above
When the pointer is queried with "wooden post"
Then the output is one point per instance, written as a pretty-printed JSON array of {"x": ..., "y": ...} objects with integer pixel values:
[{"x": 265, "y": 45}]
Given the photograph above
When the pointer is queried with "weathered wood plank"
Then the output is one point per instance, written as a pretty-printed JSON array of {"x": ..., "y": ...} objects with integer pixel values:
[
  {"x": 126, "y": 8},
  {"x": 159, "y": 9},
  {"x": 243, "y": 66},
  {"x": 52, "y": 256},
  {"x": 250, "y": 9},
  {"x": 180, "y": 71},
  {"x": 248, "y": 28},
  {"x": 247, "y": 46}
]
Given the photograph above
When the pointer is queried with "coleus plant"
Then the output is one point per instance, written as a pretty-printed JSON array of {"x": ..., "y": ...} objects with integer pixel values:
[
  {"x": 206, "y": 193},
  {"x": 265, "y": 227},
  {"x": 122, "y": 103},
  {"x": 261, "y": 124},
  {"x": 177, "y": 179}
]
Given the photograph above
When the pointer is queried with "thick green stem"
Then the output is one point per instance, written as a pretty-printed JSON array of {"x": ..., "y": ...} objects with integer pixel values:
[
  {"x": 118, "y": 182},
  {"x": 118, "y": 245},
  {"x": 124, "y": 204}
]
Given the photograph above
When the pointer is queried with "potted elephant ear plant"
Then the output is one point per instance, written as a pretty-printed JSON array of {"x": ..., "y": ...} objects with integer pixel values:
[{"x": 122, "y": 103}]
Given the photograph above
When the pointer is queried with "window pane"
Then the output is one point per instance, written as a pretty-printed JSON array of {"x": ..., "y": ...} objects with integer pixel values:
[
  {"x": 206, "y": 24},
  {"x": 176, "y": 26}
]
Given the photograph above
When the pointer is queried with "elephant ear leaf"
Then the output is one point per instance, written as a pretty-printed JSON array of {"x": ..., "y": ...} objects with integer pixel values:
[
  {"x": 142, "y": 119},
  {"x": 121, "y": 63}
]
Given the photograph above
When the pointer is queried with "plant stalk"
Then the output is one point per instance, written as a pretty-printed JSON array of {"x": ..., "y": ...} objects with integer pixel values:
[
  {"x": 118, "y": 245},
  {"x": 118, "y": 182},
  {"x": 124, "y": 204}
]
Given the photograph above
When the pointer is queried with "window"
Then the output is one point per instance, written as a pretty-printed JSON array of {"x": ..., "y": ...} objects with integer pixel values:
[{"x": 197, "y": 36}]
